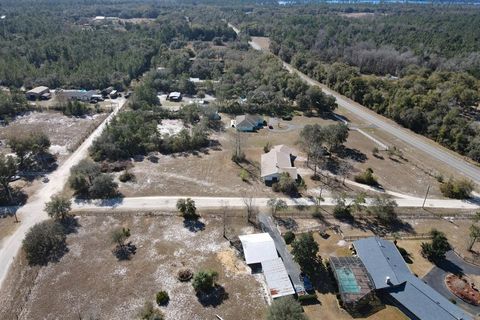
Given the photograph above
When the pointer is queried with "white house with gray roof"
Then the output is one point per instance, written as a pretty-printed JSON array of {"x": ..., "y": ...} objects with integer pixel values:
[{"x": 278, "y": 160}]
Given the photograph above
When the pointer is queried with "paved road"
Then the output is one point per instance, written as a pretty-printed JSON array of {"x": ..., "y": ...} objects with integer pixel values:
[
  {"x": 33, "y": 211},
  {"x": 169, "y": 203},
  {"x": 436, "y": 279},
  {"x": 419, "y": 142}
]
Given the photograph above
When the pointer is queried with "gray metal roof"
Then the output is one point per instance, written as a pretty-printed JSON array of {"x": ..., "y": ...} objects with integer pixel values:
[
  {"x": 382, "y": 259},
  {"x": 277, "y": 278}
]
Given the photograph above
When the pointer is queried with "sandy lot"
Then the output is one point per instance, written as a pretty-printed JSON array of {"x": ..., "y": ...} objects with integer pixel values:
[
  {"x": 65, "y": 133},
  {"x": 89, "y": 281}
]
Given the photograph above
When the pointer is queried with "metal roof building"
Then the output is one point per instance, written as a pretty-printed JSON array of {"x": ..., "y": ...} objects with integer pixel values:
[
  {"x": 391, "y": 275},
  {"x": 277, "y": 278},
  {"x": 258, "y": 247}
]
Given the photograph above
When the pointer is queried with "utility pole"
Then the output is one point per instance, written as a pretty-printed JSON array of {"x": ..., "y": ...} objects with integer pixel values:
[{"x": 426, "y": 195}]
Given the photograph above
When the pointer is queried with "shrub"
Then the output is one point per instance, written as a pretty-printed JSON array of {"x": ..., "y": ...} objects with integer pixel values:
[
  {"x": 204, "y": 281},
  {"x": 289, "y": 236},
  {"x": 126, "y": 176},
  {"x": 187, "y": 208},
  {"x": 148, "y": 312},
  {"x": 45, "y": 242},
  {"x": 244, "y": 175},
  {"x": 285, "y": 308},
  {"x": 457, "y": 189},
  {"x": 267, "y": 147},
  {"x": 435, "y": 250},
  {"x": 185, "y": 275},
  {"x": 342, "y": 212},
  {"x": 103, "y": 187},
  {"x": 275, "y": 187},
  {"x": 366, "y": 177},
  {"x": 162, "y": 298}
]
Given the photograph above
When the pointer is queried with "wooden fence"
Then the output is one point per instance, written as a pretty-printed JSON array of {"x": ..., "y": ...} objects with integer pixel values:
[{"x": 420, "y": 236}]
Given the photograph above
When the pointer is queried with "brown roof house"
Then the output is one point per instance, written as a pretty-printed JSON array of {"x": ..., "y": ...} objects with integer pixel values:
[{"x": 280, "y": 159}]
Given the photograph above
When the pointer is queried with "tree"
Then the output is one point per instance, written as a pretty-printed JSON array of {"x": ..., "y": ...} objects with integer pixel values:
[
  {"x": 45, "y": 242},
  {"x": 312, "y": 139},
  {"x": 276, "y": 205},
  {"x": 287, "y": 185},
  {"x": 457, "y": 189},
  {"x": 204, "y": 280},
  {"x": 187, "y": 208},
  {"x": 366, "y": 177},
  {"x": 335, "y": 135},
  {"x": 474, "y": 231},
  {"x": 58, "y": 207},
  {"x": 383, "y": 209},
  {"x": 285, "y": 308},
  {"x": 120, "y": 235},
  {"x": 82, "y": 176},
  {"x": 29, "y": 147},
  {"x": 8, "y": 169},
  {"x": 305, "y": 250},
  {"x": 103, "y": 187},
  {"x": 341, "y": 210},
  {"x": 436, "y": 249},
  {"x": 249, "y": 202}
]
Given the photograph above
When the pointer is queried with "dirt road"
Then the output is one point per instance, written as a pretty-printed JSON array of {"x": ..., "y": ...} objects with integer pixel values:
[
  {"x": 33, "y": 211},
  {"x": 169, "y": 203}
]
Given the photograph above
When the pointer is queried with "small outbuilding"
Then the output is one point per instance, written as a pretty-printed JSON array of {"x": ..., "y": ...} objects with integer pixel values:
[
  {"x": 248, "y": 122},
  {"x": 258, "y": 247},
  {"x": 38, "y": 93},
  {"x": 278, "y": 160},
  {"x": 276, "y": 276},
  {"x": 174, "y": 96}
]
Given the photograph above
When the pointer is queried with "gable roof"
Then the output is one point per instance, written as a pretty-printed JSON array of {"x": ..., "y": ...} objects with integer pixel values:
[
  {"x": 248, "y": 120},
  {"x": 258, "y": 247},
  {"x": 38, "y": 90},
  {"x": 278, "y": 160},
  {"x": 382, "y": 259}
]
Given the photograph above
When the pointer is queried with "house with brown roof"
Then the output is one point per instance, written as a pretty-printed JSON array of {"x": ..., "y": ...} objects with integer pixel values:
[{"x": 278, "y": 160}]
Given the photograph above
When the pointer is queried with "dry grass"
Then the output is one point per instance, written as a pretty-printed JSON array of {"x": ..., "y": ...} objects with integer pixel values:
[{"x": 89, "y": 281}]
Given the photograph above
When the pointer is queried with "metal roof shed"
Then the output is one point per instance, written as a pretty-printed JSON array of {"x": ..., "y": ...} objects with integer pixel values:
[
  {"x": 277, "y": 278},
  {"x": 258, "y": 247}
]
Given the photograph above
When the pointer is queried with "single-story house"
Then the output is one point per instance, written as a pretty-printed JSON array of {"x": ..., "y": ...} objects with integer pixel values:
[
  {"x": 78, "y": 95},
  {"x": 260, "y": 249},
  {"x": 278, "y": 160},
  {"x": 174, "y": 96},
  {"x": 248, "y": 122},
  {"x": 391, "y": 276},
  {"x": 36, "y": 93}
]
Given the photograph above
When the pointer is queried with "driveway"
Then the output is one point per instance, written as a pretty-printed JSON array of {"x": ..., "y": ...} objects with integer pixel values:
[{"x": 453, "y": 264}]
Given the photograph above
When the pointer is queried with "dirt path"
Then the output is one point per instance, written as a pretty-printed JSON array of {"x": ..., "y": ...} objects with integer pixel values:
[{"x": 33, "y": 212}]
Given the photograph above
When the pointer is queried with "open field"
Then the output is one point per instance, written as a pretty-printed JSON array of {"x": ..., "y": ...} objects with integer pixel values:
[
  {"x": 65, "y": 133},
  {"x": 211, "y": 172},
  {"x": 85, "y": 278}
]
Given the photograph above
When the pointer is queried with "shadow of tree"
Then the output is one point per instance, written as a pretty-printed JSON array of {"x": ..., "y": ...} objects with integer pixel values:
[
  {"x": 349, "y": 153},
  {"x": 70, "y": 225},
  {"x": 288, "y": 223},
  {"x": 213, "y": 298},
  {"x": 124, "y": 252},
  {"x": 194, "y": 225}
]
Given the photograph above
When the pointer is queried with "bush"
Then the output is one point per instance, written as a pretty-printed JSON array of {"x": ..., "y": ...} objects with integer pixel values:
[
  {"x": 162, "y": 298},
  {"x": 244, "y": 175},
  {"x": 366, "y": 178},
  {"x": 45, "y": 242},
  {"x": 285, "y": 308},
  {"x": 289, "y": 236},
  {"x": 435, "y": 250},
  {"x": 148, "y": 312},
  {"x": 204, "y": 281},
  {"x": 126, "y": 176},
  {"x": 457, "y": 189},
  {"x": 342, "y": 212},
  {"x": 275, "y": 187},
  {"x": 185, "y": 275},
  {"x": 103, "y": 187}
]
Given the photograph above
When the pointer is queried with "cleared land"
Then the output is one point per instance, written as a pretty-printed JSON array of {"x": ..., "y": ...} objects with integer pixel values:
[
  {"x": 82, "y": 282},
  {"x": 211, "y": 172}
]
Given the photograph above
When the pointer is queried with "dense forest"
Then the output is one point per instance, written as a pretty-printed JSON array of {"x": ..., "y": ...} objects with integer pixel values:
[{"x": 419, "y": 65}]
